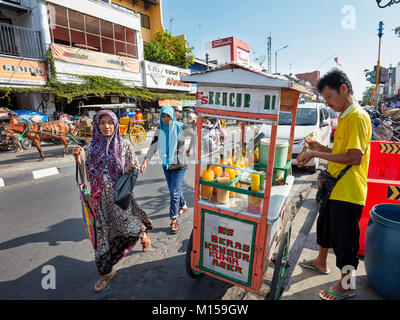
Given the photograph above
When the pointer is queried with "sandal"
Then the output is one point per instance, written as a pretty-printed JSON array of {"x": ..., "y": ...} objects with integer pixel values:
[
  {"x": 103, "y": 283},
  {"x": 338, "y": 295},
  {"x": 146, "y": 243},
  {"x": 182, "y": 210},
  {"x": 309, "y": 265},
  {"x": 174, "y": 226}
]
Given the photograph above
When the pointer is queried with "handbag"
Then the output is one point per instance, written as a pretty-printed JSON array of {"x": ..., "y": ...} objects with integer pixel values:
[
  {"x": 326, "y": 183},
  {"x": 88, "y": 211},
  {"x": 124, "y": 187}
]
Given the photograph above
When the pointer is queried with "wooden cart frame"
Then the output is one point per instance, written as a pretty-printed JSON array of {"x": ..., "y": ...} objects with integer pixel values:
[{"x": 268, "y": 228}]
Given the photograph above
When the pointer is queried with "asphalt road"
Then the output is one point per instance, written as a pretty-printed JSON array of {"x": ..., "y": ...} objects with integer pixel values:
[{"x": 41, "y": 225}]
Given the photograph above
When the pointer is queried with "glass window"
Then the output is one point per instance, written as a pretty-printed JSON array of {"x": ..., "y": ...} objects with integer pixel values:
[
  {"x": 93, "y": 41},
  {"x": 120, "y": 47},
  {"x": 145, "y": 21},
  {"x": 61, "y": 35},
  {"x": 132, "y": 51},
  {"x": 76, "y": 20},
  {"x": 305, "y": 117},
  {"x": 107, "y": 45},
  {"x": 60, "y": 15},
  {"x": 119, "y": 32},
  {"x": 130, "y": 36},
  {"x": 106, "y": 29},
  {"x": 92, "y": 25},
  {"x": 78, "y": 37}
]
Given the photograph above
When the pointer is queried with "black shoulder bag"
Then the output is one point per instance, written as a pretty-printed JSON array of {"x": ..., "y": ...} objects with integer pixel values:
[{"x": 326, "y": 183}]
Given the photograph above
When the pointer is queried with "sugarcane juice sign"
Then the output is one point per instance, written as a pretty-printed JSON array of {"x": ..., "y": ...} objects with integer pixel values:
[
  {"x": 265, "y": 101},
  {"x": 227, "y": 246}
]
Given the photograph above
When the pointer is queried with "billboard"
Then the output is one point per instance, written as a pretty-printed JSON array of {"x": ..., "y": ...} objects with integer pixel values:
[{"x": 16, "y": 71}]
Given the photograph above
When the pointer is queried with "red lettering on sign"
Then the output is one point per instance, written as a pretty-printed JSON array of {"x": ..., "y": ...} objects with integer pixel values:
[
  {"x": 230, "y": 267},
  {"x": 222, "y": 241},
  {"x": 214, "y": 239},
  {"x": 207, "y": 245},
  {"x": 246, "y": 248},
  {"x": 229, "y": 243},
  {"x": 238, "y": 245},
  {"x": 245, "y": 257}
]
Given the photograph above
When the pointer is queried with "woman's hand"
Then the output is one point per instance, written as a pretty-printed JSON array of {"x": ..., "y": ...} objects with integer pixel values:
[
  {"x": 76, "y": 152},
  {"x": 143, "y": 167},
  {"x": 130, "y": 167}
]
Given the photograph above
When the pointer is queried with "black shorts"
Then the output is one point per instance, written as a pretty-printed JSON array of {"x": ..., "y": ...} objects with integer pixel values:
[{"x": 337, "y": 228}]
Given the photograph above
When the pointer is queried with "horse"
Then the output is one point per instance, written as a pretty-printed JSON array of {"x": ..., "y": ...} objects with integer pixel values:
[{"x": 42, "y": 130}]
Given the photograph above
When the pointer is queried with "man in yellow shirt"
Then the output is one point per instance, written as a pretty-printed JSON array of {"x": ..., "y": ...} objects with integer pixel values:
[{"x": 337, "y": 224}]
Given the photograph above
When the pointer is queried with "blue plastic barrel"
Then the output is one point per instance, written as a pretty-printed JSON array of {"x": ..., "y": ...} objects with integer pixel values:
[{"x": 382, "y": 250}]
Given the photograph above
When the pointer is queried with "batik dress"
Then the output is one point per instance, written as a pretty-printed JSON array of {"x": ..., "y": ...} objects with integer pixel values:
[{"x": 117, "y": 230}]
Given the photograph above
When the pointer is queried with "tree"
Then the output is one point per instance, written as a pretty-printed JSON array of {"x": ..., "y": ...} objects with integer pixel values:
[{"x": 167, "y": 49}]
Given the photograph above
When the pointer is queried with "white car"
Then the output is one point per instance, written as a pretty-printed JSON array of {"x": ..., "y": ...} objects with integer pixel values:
[{"x": 312, "y": 121}]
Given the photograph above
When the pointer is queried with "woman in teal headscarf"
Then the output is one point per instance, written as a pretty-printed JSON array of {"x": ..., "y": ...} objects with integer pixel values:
[{"x": 169, "y": 139}]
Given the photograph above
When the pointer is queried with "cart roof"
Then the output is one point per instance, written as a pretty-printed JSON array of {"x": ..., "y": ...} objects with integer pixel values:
[{"x": 235, "y": 75}]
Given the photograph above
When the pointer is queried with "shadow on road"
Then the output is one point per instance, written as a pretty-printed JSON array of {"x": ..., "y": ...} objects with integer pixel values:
[{"x": 57, "y": 233}]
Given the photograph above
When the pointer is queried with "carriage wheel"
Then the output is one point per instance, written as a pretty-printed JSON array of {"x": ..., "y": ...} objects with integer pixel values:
[
  {"x": 137, "y": 135},
  {"x": 26, "y": 143},
  {"x": 223, "y": 123},
  {"x": 191, "y": 273},
  {"x": 281, "y": 266}
]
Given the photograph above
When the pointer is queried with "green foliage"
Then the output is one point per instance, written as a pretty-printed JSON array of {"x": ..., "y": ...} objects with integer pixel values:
[
  {"x": 92, "y": 86},
  {"x": 167, "y": 49}
]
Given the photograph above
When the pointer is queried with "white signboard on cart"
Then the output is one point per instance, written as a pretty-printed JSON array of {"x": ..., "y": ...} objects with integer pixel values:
[
  {"x": 227, "y": 246},
  {"x": 239, "y": 99}
]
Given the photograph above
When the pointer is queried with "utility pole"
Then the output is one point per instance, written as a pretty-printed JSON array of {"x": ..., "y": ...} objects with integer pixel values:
[
  {"x": 170, "y": 24},
  {"x": 276, "y": 57},
  {"x": 380, "y": 34},
  {"x": 269, "y": 40}
]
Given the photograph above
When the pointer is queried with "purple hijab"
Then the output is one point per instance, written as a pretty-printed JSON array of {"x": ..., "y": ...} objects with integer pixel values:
[{"x": 104, "y": 150}]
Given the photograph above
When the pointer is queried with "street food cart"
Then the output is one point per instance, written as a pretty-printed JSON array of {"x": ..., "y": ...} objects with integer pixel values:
[{"x": 240, "y": 217}]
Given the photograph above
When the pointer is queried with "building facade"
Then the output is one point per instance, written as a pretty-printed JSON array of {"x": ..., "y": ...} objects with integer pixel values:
[
  {"x": 22, "y": 49},
  {"x": 150, "y": 12},
  {"x": 228, "y": 50}
]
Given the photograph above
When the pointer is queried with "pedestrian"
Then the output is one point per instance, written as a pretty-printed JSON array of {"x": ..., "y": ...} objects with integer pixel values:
[
  {"x": 138, "y": 116},
  {"x": 170, "y": 141},
  {"x": 337, "y": 223},
  {"x": 118, "y": 230}
]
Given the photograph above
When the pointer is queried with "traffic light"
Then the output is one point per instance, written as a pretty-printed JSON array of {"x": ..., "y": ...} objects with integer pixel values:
[
  {"x": 371, "y": 76},
  {"x": 380, "y": 30}
]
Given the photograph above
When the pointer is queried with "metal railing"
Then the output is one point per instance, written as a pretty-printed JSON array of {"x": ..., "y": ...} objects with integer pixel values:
[{"x": 20, "y": 42}]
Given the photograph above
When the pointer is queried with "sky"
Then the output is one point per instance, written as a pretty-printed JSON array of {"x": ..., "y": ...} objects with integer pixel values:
[{"x": 316, "y": 31}]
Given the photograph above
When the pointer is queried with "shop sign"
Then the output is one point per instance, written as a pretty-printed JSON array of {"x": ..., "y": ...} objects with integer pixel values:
[
  {"x": 22, "y": 72},
  {"x": 227, "y": 246},
  {"x": 96, "y": 59},
  {"x": 222, "y": 42},
  {"x": 162, "y": 76},
  {"x": 238, "y": 99}
]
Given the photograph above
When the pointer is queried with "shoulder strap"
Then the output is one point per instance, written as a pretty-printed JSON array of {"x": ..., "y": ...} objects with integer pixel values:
[
  {"x": 80, "y": 171},
  {"x": 341, "y": 174}
]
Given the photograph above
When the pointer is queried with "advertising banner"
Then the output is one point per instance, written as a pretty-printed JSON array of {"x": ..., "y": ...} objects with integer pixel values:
[
  {"x": 162, "y": 76},
  {"x": 96, "y": 59},
  {"x": 227, "y": 246},
  {"x": 14, "y": 71}
]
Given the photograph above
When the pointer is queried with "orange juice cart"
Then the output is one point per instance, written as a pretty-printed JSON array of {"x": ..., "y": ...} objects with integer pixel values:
[{"x": 241, "y": 188}]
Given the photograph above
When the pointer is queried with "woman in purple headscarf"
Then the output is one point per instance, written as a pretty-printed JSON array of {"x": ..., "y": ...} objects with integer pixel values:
[{"x": 108, "y": 158}]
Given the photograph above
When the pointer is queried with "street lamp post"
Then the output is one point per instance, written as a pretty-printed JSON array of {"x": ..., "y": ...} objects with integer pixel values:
[{"x": 276, "y": 57}]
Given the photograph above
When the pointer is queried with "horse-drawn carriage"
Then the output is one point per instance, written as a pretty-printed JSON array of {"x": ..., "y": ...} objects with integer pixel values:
[{"x": 128, "y": 126}]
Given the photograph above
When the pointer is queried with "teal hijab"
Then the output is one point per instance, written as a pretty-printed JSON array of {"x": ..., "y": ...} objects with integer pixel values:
[{"x": 168, "y": 137}]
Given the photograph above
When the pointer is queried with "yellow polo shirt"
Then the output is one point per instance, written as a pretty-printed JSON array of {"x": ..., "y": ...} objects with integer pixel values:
[{"x": 353, "y": 131}]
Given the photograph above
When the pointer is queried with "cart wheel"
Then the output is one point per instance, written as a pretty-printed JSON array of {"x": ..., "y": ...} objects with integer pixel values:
[
  {"x": 191, "y": 273},
  {"x": 26, "y": 143},
  {"x": 281, "y": 266},
  {"x": 4, "y": 147},
  {"x": 137, "y": 135}
]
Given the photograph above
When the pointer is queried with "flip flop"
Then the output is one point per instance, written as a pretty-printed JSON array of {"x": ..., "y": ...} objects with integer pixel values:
[
  {"x": 104, "y": 283},
  {"x": 309, "y": 265},
  {"x": 339, "y": 295}
]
